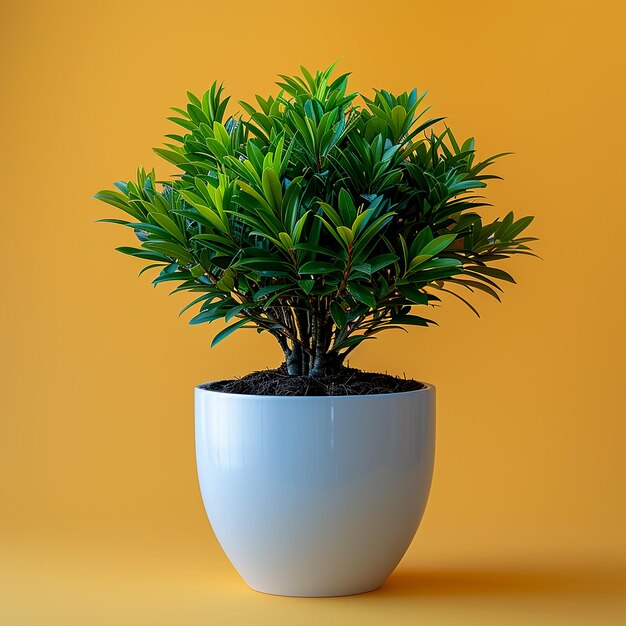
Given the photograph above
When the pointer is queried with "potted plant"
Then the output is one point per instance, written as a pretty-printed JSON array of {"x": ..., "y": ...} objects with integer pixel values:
[{"x": 322, "y": 220}]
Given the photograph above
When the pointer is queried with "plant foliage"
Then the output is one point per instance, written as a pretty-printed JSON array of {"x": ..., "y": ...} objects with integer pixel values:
[{"x": 320, "y": 216}]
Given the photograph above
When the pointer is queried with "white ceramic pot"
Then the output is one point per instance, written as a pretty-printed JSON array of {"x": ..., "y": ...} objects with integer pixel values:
[{"x": 315, "y": 496}]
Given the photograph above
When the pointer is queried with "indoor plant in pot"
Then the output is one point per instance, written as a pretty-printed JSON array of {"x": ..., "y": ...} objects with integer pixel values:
[{"x": 322, "y": 218}]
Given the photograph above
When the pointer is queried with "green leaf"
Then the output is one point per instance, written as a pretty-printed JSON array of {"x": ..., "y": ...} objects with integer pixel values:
[
  {"x": 286, "y": 240},
  {"x": 197, "y": 270},
  {"x": 265, "y": 291},
  {"x": 227, "y": 281},
  {"x": 418, "y": 260},
  {"x": 516, "y": 228},
  {"x": 120, "y": 222},
  {"x": 234, "y": 311},
  {"x": 169, "y": 225},
  {"x": 362, "y": 294},
  {"x": 338, "y": 314},
  {"x": 463, "y": 300},
  {"x": 424, "y": 236},
  {"x": 346, "y": 234},
  {"x": 494, "y": 272},
  {"x": 272, "y": 189},
  {"x": 204, "y": 296},
  {"x": 172, "y": 250},
  {"x": 205, "y": 317},
  {"x": 317, "y": 267},
  {"x": 361, "y": 268},
  {"x": 149, "y": 267},
  {"x": 414, "y": 295},
  {"x": 120, "y": 201},
  {"x": 437, "y": 245},
  {"x": 355, "y": 340},
  {"x": 142, "y": 254},
  {"x": 332, "y": 215},
  {"x": 382, "y": 260},
  {"x": 309, "y": 247},
  {"x": 439, "y": 263},
  {"x": 306, "y": 285},
  {"x": 346, "y": 207},
  {"x": 229, "y": 330},
  {"x": 412, "y": 320},
  {"x": 171, "y": 155},
  {"x": 246, "y": 188},
  {"x": 474, "y": 284}
]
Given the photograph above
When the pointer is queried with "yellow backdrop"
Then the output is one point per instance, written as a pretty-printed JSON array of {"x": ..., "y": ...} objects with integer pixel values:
[{"x": 101, "y": 520}]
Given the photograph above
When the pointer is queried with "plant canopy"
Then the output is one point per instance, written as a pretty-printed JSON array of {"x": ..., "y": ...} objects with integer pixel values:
[{"x": 320, "y": 216}]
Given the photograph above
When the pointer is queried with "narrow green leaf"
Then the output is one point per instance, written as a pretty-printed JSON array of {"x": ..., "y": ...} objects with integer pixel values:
[
  {"x": 516, "y": 228},
  {"x": 382, "y": 260},
  {"x": 142, "y": 254},
  {"x": 414, "y": 295},
  {"x": 286, "y": 240},
  {"x": 362, "y": 294},
  {"x": 494, "y": 272},
  {"x": 412, "y": 320},
  {"x": 149, "y": 267},
  {"x": 456, "y": 295},
  {"x": 197, "y": 270},
  {"x": 346, "y": 234},
  {"x": 204, "y": 296},
  {"x": 205, "y": 317},
  {"x": 169, "y": 225},
  {"x": 316, "y": 267},
  {"x": 265, "y": 291},
  {"x": 306, "y": 285},
  {"x": 234, "y": 311},
  {"x": 438, "y": 244},
  {"x": 229, "y": 330},
  {"x": 272, "y": 188},
  {"x": 338, "y": 314},
  {"x": 355, "y": 340}
]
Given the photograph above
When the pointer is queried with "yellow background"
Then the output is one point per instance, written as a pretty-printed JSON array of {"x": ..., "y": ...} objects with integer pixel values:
[{"x": 100, "y": 515}]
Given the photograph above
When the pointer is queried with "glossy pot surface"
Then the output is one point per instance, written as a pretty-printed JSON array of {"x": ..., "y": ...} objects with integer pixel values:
[{"x": 315, "y": 496}]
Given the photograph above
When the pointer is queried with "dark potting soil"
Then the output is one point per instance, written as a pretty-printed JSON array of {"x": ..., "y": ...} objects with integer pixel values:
[{"x": 348, "y": 382}]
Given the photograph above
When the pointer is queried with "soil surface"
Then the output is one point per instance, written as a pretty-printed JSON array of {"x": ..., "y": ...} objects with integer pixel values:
[{"x": 348, "y": 382}]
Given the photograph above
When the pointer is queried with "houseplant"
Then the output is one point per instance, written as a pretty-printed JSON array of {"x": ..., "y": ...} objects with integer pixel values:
[{"x": 323, "y": 220}]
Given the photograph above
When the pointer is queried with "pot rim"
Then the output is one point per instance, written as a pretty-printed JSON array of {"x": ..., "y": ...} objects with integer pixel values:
[{"x": 428, "y": 387}]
